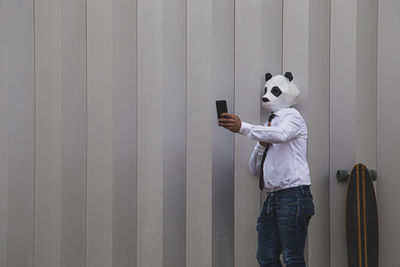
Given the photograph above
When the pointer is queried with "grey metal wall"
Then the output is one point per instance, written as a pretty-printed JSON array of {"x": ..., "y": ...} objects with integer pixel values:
[
  {"x": 352, "y": 104},
  {"x": 110, "y": 153},
  {"x": 127, "y": 164},
  {"x": 174, "y": 132},
  {"x": 17, "y": 134},
  {"x": 388, "y": 130}
]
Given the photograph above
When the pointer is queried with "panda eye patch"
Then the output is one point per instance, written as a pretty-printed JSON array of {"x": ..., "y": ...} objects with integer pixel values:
[
  {"x": 276, "y": 91},
  {"x": 265, "y": 90}
]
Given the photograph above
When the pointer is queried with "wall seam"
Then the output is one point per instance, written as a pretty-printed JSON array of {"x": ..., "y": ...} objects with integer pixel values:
[
  {"x": 86, "y": 130},
  {"x": 282, "y": 38},
  {"x": 136, "y": 128},
  {"x": 329, "y": 125},
  {"x": 234, "y": 110},
  {"x": 330, "y": 108},
  {"x": 186, "y": 131},
  {"x": 186, "y": 94},
  {"x": 34, "y": 130}
]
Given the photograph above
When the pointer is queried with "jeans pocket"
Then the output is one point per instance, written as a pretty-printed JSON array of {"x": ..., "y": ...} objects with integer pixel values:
[
  {"x": 287, "y": 217},
  {"x": 287, "y": 210},
  {"x": 307, "y": 212}
]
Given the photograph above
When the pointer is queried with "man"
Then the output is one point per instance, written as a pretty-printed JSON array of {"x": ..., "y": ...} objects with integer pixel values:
[{"x": 282, "y": 146}]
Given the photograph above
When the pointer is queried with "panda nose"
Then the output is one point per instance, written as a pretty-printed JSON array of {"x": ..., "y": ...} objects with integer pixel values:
[{"x": 264, "y": 99}]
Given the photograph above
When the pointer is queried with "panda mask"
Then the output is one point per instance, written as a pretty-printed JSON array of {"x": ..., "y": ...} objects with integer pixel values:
[{"x": 279, "y": 92}]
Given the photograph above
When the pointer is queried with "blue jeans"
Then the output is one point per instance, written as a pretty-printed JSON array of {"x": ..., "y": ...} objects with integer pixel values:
[{"x": 282, "y": 227}]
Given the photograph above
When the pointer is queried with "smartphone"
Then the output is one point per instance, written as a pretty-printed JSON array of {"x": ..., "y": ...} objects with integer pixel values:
[{"x": 221, "y": 107}]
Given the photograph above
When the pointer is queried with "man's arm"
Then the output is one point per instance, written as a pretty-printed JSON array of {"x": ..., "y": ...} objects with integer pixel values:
[{"x": 289, "y": 128}]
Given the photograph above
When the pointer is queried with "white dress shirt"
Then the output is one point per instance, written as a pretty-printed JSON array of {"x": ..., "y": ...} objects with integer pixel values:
[{"x": 286, "y": 160}]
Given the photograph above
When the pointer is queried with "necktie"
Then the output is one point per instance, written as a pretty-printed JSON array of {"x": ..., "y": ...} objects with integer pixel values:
[{"x": 261, "y": 181}]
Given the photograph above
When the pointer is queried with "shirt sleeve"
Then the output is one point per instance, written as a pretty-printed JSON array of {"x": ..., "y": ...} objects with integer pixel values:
[
  {"x": 255, "y": 159},
  {"x": 289, "y": 128}
]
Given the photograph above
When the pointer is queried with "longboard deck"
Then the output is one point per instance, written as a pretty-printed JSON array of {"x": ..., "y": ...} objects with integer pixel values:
[{"x": 361, "y": 219}]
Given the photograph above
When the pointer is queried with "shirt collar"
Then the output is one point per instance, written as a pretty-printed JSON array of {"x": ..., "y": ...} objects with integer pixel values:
[{"x": 281, "y": 111}]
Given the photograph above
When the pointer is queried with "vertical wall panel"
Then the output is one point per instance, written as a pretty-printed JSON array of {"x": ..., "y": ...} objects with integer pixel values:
[
  {"x": 200, "y": 117},
  {"x": 174, "y": 133},
  {"x": 342, "y": 117},
  {"x": 247, "y": 97},
  {"x": 295, "y": 46},
  {"x": 353, "y": 108},
  {"x": 150, "y": 133},
  {"x": 125, "y": 134},
  {"x": 366, "y": 81},
  {"x": 388, "y": 131},
  {"x": 20, "y": 59},
  {"x": 48, "y": 133},
  {"x": 270, "y": 48},
  {"x": 99, "y": 134},
  {"x": 223, "y": 140},
  {"x": 317, "y": 108},
  {"x": 3, "y": 133},
  {"x": 73, "y": 133}
]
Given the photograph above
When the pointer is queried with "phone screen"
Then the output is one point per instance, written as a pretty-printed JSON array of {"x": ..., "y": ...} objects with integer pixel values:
[{"x": 221, "y": 107}]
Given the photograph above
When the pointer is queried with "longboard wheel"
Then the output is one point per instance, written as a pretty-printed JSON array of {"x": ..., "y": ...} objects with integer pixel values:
[
  {"x": 373, "y": 174},
  {"x": 342, "y": 175}
]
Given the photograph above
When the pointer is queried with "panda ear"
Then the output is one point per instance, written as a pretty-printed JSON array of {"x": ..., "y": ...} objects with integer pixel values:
[
  {"x": 268, "y": 76},
  {"x": 289, "y": 75}
]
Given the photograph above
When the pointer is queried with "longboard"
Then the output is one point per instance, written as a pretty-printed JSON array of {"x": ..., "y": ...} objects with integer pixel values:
[{"x": 361, "y": 219}]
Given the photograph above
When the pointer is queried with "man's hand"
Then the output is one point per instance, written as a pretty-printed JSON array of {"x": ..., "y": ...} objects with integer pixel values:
[
  {"x": 264, "y": 144},
  {"x": 230, "y": 122}
]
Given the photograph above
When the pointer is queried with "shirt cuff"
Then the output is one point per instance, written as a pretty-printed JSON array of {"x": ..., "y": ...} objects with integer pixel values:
[{"x": 245, "y": 128}]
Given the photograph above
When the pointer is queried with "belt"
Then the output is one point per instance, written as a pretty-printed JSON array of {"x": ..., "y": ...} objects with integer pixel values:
[{"x": 302, "y": 188}]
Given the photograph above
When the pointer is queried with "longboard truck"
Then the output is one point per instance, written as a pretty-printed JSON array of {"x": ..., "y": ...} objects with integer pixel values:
[{"x": 343, "y": 175}]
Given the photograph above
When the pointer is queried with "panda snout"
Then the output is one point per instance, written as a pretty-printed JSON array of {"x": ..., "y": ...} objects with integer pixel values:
[{"x": 264, "y": 99}]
